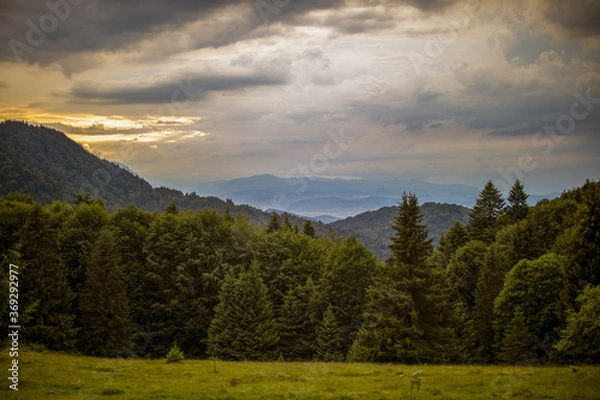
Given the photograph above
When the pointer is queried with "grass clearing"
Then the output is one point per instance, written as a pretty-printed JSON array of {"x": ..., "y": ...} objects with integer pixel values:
[{"x": 50, "y": 375}]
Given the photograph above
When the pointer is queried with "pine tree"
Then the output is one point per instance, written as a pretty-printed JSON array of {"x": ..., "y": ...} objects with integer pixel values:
[
  {"x": 456, "y": 237},
  {"x": 517, "y": 342},
  {"x": 408, "y": 315},
  {"x": 46, "y": 295},
  {"x": 309, "y": 229},
  {"x": 298, "y": 321},
  {"x": 243, "y": 327},
  {"x": 104, "y": 312},
  {"x": 328, "y": 342},
  {"x": 482, "y": 219},
  {"x": 274, "y": 223},
  {"x": 517, "y": 203},
  {"x": 287, "y": 224},
  {"x": 171, "y": 208},
  {"x": 349, "y": 271}
]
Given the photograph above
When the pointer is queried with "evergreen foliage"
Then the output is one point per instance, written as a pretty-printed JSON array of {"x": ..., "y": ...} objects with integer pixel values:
[
  {"x": 291, "y": 295},
  {"x": 517, "y": 208},
  {"x": 46, "y": 305},
  {"x": 456, "y": 237},
  {"x": 298, "y": 321},
  {"x": 517, "y": 342},
  {"x": 583, "y": 266},
  {"x": 308, "y": 228},
  {"x": 274, "y": 223},
  {"x": 287, "y": 223},
  {"x": 487, "y": 209},
  {"x": 464, "y": 270},
  {"x": 349, "y": 271},
  {"x": 328, "y": 342},
  {"x": 408, "y": 315},
  {"x": 104, "y": 312},
  {"x": 489, "y": 285},
  {"x": 175, "y": 354},
  {"x": 243, "y": 327}
]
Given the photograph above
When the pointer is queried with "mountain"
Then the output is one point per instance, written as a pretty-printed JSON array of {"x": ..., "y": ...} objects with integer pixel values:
[
  {"x": 338, "y": 198},
  {"x": 49, "y": 166},
  {"x": 374, "y": 228}
]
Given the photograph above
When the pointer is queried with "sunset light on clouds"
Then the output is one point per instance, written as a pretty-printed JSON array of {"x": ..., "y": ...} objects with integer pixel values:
[{"x": 440, "y": 90}]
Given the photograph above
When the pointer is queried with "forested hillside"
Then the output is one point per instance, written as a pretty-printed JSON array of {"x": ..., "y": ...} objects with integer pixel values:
[
  {"x": 49, "y": 166},
  {"x": 515, "y": 284},
  {"x": 374, "y": 230}
]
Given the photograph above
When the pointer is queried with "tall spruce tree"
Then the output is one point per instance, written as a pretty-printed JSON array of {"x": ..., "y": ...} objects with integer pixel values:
[
  {"x": 517, "y": 208},
  {"x": 287, "y": 223},
  {"x": 274, "y": 223},
  {"x": 408, "y": 315},
  {"x": 46, "y": 303},
  {"x": 106, "y": 328},
  {"x": 243, "y": 327},
  {"x": 482, "y": 220},
  {"x": 517, "y": 342},
  {"x": 456, "y": 237},
  {"x": 348, "y": 273},
  {"x": 328, "y": 342},
  {"x": 308, "y": 228},
  {"x": 298, "y": 320}
]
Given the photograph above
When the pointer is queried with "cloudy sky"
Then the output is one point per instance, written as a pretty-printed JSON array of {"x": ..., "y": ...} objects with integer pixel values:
[{"x": 189, "y": 91}]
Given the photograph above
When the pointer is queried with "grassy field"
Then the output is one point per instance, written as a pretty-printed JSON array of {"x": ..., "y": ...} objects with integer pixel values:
[{"x": 49, "y": 375}]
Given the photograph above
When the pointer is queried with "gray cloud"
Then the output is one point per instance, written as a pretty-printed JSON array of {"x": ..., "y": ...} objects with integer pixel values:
[
  {"x": 575, "y": 18},
  {"x": 113, "y": 25},
  {"x": 191, "y": 88}
]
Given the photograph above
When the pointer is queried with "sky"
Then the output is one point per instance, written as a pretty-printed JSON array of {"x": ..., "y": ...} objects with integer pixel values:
[{"x": 187, "y": 91}]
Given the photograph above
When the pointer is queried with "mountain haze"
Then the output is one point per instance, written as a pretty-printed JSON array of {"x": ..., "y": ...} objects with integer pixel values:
[{"x": 335, "y": 199}]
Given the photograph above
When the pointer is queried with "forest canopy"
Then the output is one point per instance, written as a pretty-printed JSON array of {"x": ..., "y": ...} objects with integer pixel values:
[{"x": 513, "y": 284}]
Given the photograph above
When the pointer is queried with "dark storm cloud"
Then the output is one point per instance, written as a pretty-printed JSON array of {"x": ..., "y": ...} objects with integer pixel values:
[
  {"x": 112, "y": 25},
  {"x": 192, "y": 88},
  {"x": 95, "y": 24},
  {"x": 74, "y": 27},
  {"x": 575, "y": 18}
]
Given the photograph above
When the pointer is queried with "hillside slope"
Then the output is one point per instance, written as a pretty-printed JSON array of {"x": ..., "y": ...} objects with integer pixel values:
[
  {"x": 49, "y": 166},
  {"x": 374, "y": 229}
]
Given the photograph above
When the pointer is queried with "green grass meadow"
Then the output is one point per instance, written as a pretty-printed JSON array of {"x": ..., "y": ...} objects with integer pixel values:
[{"x": 46, "y": 375}]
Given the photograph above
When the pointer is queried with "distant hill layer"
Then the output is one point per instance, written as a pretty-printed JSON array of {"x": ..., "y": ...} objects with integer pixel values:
[
  {"x": 338, "y": 198},
  {"x": 374, "y": 228}
]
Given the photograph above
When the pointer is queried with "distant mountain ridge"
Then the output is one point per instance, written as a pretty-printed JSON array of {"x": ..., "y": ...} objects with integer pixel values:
[{"x": 338, "y": 198}]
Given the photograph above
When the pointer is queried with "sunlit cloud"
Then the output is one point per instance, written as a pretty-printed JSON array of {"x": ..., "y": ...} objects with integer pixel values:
[{"x": 442, "y": 90}]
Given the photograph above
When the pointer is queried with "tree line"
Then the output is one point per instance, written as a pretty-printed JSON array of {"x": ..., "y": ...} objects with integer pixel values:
[{"x": 514, "y": 284}]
